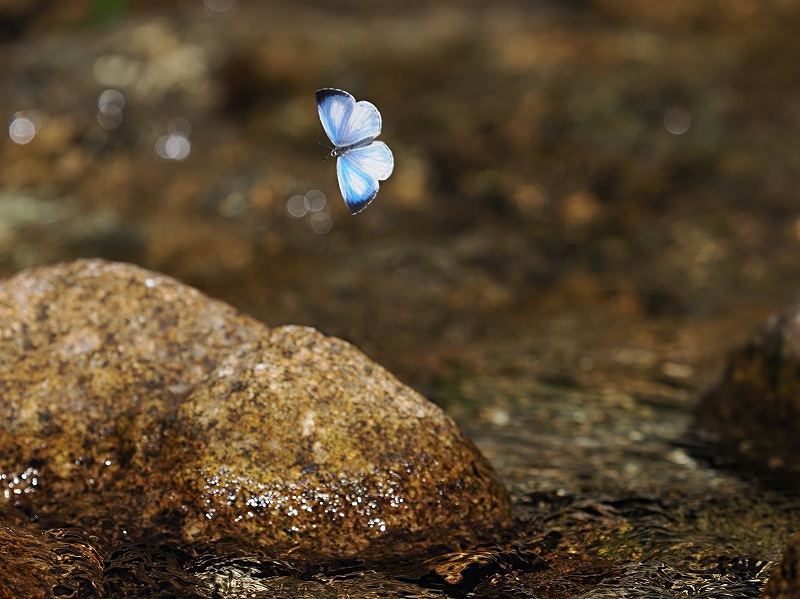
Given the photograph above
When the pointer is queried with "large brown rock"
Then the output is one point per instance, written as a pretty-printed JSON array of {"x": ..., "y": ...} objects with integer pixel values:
[
  {"x": 131, "y": 402},
  {"x": 301, "y": 438}
]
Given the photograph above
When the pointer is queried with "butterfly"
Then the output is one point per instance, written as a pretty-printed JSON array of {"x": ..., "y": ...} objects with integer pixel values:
[{"x": 361, "y": 161}]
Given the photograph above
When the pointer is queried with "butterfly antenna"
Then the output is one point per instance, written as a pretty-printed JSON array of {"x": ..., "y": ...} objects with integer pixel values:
[{"x": 328, "y": 147}]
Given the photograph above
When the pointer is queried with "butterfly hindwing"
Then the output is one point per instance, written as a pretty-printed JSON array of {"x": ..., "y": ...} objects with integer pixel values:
[
  {"x": 335, "y": 107},
  {"x": 358, "y": 188},
  {"x": 375, "y": 160}
]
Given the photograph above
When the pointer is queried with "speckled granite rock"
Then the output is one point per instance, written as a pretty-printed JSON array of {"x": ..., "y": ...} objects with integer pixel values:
[
  {"x": 315, "y": 443},
  {"x": 95, "y": 358},
  {"x": 134, "y": 401},
  {"x": 755, "y": 411}
]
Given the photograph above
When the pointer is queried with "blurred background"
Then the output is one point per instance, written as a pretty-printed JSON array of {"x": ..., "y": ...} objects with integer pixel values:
[{"x": 591, "y": 192}]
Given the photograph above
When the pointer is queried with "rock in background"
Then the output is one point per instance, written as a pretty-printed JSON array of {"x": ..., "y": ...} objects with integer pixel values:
[
  {"x": 785, "y": 580},
  {"x": 754, "y": 413}
]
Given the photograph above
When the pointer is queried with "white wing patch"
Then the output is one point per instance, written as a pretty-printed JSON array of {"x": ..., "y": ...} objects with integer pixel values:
[
  {"x": 363, "y": 123},
  {"x": 375, "y": 160}
]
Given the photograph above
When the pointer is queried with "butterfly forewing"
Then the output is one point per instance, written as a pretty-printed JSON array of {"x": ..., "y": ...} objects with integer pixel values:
[
  {"x": 375, "y": 160},
  {"x": 363, "y": 123},
  {"x": 358, "y": 188},
  {"x": 335, "y": 107}
]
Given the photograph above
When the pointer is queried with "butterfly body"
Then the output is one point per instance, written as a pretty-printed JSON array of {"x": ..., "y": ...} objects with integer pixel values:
[
  {"x": 342, "y": 150},
  {"x": 361, "y": 161}
]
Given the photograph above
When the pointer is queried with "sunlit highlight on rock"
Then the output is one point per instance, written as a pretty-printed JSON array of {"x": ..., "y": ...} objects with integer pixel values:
[{"x": 16, "y": 484}]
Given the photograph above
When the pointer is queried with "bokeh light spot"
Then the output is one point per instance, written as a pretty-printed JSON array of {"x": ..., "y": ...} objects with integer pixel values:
[
  {"x": 109, "y": 108},
  {"x": 179, "y": 126},
  {"x": 221, "y": 8},
  {"x": 321, "y": 223},
  {"x": 296, "y": 206},
  {"x": 315, "y": 200},
  {"x": 677, "y": 120},
  {"x": 113, "y": 70},
  {"x": 235, "y": 204},
  {"x": 23, "y": 126},
  {"x": 175, "y": 146},
  {"x": 21, "y": 130},
  {"x": 313, "y": 204}
]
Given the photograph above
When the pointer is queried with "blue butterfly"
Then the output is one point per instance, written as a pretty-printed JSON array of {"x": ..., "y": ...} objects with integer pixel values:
[{"x": 362, "y": 162}]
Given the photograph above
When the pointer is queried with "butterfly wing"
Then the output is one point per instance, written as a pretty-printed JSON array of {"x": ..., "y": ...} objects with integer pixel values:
[
  {"x": 335, "y": 109},
  {"x": 363, "y": 124},
  {"x": 358, "y": 188},
  {"x": 375, "y": 160}
]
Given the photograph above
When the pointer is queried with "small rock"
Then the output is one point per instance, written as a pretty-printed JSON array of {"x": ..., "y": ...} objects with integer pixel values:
[
  {"x": 755, "y": 410},
  {"x": 784, "y": 583},
  {"x": 136, "y": 405}
]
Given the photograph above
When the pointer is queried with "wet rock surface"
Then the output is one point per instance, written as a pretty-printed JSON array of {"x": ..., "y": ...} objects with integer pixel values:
[
  {"x": 136, "y": 406},
  {"x": 784, "y": 583},
  {"x": 312, "y": 414},
  {"x": 754, "y": 413},
  {"x": 96, "y": 357}
]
